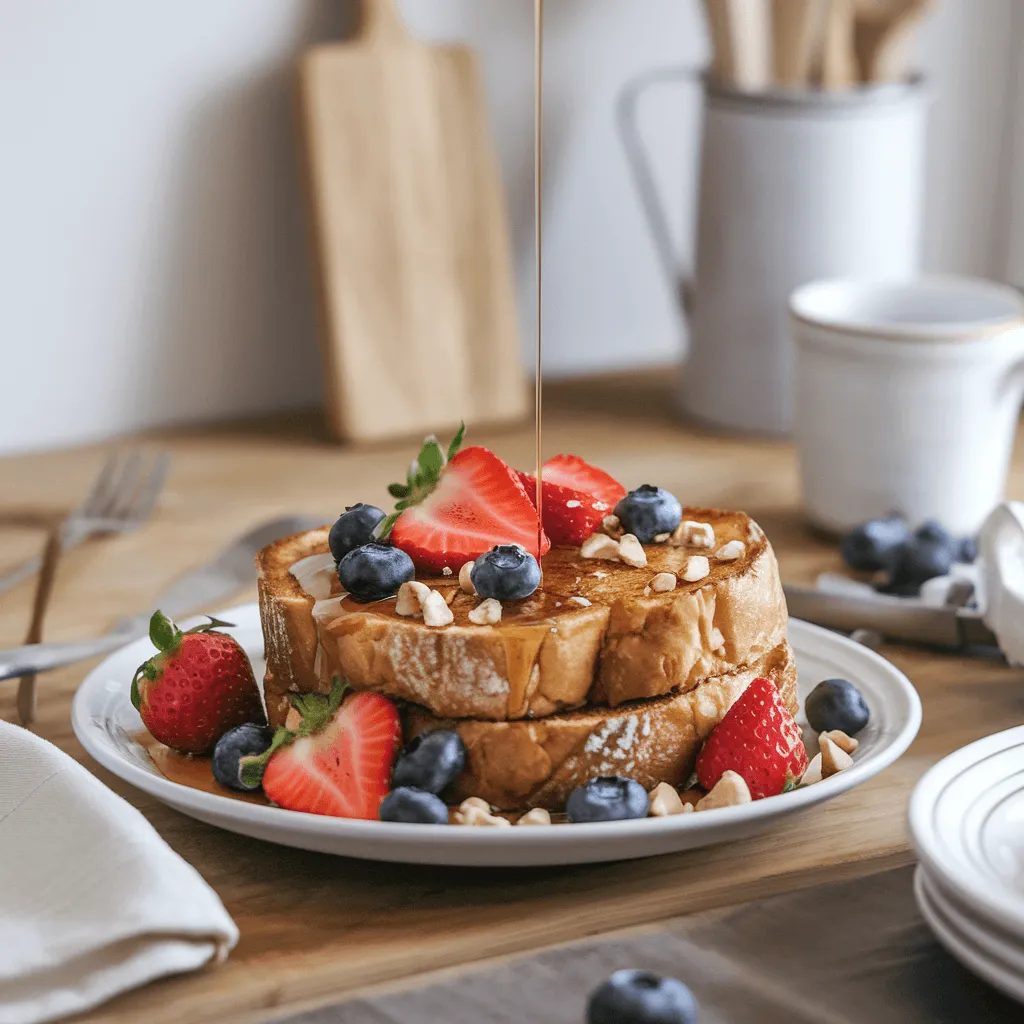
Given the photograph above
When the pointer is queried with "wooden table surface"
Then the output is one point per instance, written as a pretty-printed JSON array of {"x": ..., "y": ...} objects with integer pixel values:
[{"x": 314, "y": 928}]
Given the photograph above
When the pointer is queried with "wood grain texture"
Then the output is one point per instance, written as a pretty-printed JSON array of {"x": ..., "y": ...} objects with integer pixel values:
[
  {"x": 410, "y": 235},
  {"x": 884, "y": 36},
  {"x": 741, "y": 39},
  {"x": 796, "y": 30},
  {"x": 838, "y": 54},
  {"x": 316, "y": 928}
]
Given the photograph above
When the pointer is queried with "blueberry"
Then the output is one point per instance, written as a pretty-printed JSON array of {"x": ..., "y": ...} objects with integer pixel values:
[
  {"x": 649, "y": 511},
  {"x": 968, "y": 550},
  {"x": 930, "y": 552},
  {"x": 508, "y": 572},
  {"x": 242, "y": 741},
  {"x": 639, "y": 997},
  {"x": 414, "y": 807},
  {"x": 354, "y": 529},
  {"x": 431, "y": 761},
  {"x": 375, "y": 571},
  {"x": 607, "y": 798},
  {"x": 836, "y": 704},
  {"x": 873, "y": 545}
]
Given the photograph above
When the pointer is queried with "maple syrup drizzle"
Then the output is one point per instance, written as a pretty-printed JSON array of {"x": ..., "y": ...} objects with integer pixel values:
[{"x": 538, "y": 181}]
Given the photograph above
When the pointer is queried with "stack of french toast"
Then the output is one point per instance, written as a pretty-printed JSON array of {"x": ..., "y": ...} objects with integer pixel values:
[{"x": 620, "y": 663}]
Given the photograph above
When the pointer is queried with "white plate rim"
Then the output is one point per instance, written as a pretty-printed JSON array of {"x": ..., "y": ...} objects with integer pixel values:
[
  {"x": 929, "y": 848},
  {"x": 429, "y": 836}
]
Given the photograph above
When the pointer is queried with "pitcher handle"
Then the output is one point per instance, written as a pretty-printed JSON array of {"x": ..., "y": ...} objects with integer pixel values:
[{"x": 639, "y": 159}]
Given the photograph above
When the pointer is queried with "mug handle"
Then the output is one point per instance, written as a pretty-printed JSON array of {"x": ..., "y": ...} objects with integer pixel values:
[{"x": 638, "y": 157}]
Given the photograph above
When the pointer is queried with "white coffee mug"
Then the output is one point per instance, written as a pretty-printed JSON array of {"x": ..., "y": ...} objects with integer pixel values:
[{"x": 907, "y": 398}]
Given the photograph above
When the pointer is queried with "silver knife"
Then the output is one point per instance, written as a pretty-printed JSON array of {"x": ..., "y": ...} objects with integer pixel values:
[
  {"x": 226, "y": 574},
  {"x": 896, "y": 618}
]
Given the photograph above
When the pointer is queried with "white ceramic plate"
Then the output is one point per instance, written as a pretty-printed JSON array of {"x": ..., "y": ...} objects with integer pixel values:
[
  {"x": 981, "y": 961},
  {"x": 105, "y": 721},
  {"x": 967, "y": 824}
]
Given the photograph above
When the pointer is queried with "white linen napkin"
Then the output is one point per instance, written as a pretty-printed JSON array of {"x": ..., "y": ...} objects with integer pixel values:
[{"x": 92, "y": 901}]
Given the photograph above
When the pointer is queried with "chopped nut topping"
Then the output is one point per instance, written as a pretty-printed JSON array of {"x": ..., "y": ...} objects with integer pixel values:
[
  {"x": 631, "y": 551},
  {"x": 694, "y": 535},
  {"x": 731, "y": 789},
  {"x": 647, "y": 590},
  {"x": 581, "y": 601},
  {"x": 833, "y": 758},
  {"x": 697, "y": 567},
  {"x": 731, "y": 551},
  {"x": 600, "y": 575},
  {"x": 538, "y": 816},
  {"x": 446, "y": 571},
  {"x": 813, "y": 772},
  {"x": 436, "y": 611},
  {"x": 665, "y": 801},
  {"x": 449, "y": 597},
  {"x": 465, "y": 580},
  {"x": 845, "y": 743},
  {"x": 475, "y": 811},
  {"x": 661, "y": 538},
  {"x": 486, "y": 613},
  {"x": 600, "y": 545},
  {"x": 612, "y": 525},
  {"x": 664, "y": 582},
  {"x": 411, "y": 596}
]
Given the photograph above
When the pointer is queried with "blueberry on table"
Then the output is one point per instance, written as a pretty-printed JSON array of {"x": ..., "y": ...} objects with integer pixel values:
[
  {"x": 413, "y": 807},
  {"x": 836, "y": 704},
  {"x": 508, "y": 572},
  {"x": 432, "y": 761},
  {"x": 607, "y": 798},
  {"x": 375, "y": 571},
  {"x": 873, "y": 545},
  {"x": 354, "y": 529},
  {"x": 640, "y": 997},
  {"x": 930, "y": 552},
  {"x": 249, "y": 740},
  {"x": 649, "y": 512},
  {"x": 968, "y": 552}
]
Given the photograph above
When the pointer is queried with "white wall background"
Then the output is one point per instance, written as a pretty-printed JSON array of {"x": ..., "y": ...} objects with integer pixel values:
[{"x": 152, "y": 247}]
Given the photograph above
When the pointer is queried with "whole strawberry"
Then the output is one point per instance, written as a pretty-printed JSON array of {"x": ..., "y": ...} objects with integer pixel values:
[
  {"x": 757, "y": 739},
  {"x": 198, "y": 686}
]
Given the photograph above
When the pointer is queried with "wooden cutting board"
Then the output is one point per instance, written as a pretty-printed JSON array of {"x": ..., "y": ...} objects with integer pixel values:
[{"x": 410, "y": 233}]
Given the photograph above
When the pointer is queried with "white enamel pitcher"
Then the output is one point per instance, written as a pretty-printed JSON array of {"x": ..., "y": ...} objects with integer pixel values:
[{"x": 794, "y": 186}]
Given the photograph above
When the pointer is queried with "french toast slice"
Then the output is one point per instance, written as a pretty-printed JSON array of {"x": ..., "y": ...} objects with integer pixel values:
[
  {"x": 520, "y": 764},
  {"x": 595, "y": 633}
]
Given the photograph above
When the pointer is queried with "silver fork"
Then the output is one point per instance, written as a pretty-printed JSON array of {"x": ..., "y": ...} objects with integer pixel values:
[{"x": 120, "y": 500}]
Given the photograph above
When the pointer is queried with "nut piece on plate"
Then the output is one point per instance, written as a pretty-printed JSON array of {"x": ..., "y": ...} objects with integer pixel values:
[
  {"x": 812, "y": 774},
  {"x": 845, "y": 743},
  {"x": 729, "y": 791},
  {"x": 631, "y": 551},
  {"x": 612, "y": 526},
  {"x": 411, "y": 596},
  {"x": 833, "y": 758},
  {"x": 600, "y": 545},
  {"x": 731, "y": 551},
  {"x": 694, "y": 535},
  {"x": 697, "y": 567},
  {"x": 465, "y": 581},
  {"x": 665, "y": 801},
  {"x": 486, "y": 613},
  {"x": 474, "y": 811},
  {"x": 436, "y": 611},
  {"x": 664, "y": 582},
  {"x": 538, "y": 816}
]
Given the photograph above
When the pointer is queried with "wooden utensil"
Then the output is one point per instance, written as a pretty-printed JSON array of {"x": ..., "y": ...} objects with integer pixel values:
[
  {"x": 883, "y": 34},
  {"x": 795, "y": 29},
  {"x": 740, "y": 36},
  {"x": 838, "y": 58},
  {"x": 411, "y": 235}
]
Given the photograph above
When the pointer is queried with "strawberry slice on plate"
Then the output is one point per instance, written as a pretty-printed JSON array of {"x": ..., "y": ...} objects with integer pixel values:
[
  {"x": 576, "y": 498},
  {"x": 455, "y": 512},
  {"x": 758, "y": 739},
  {"x": 333, "y": 756}
]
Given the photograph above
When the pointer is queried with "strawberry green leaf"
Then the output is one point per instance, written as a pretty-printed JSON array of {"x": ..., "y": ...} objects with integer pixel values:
[
  {"x": 456, "y": 442},
  {"x": 383, "y": 528},
  {"x": 163, "y": 633},
  {"x": 135, "y": 695},
  {"x": 431, "y": 460},
  {"x": 790, "y": 784},
  {"x": 213, "y": 624},
  {"x": 252, "y": 767},
  {"x": 398, "y": 490}
]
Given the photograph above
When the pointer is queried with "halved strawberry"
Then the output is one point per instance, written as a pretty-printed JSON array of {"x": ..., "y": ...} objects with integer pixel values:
[
  {"x": 576, "y": 498},
  {"x": 757, "y": 739},
  {"x": 475, "y": 502},
  {"x": 337, "y": 760}
]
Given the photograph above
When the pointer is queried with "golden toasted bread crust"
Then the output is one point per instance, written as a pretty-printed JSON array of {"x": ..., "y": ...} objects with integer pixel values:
[
  {"x": 595, "y": 634},
  {"x": 515, "y": 765}
]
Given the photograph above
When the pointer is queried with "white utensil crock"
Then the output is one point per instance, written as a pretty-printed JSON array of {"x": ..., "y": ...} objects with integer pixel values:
[
  {"x": 907, "y": 398},
  {"x": 794, "y": 186}
]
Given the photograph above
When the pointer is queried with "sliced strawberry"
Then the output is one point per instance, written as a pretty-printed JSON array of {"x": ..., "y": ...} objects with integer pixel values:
[
  {"x": 478, "y": 502},
  {"x": 343, "y": 769},
  {"x": 757, "y": 739},
  {"x": 576, "y": 497}
]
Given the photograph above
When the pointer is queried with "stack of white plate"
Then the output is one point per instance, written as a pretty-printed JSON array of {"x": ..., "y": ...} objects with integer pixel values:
[{"x": 967, "y": 822}]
